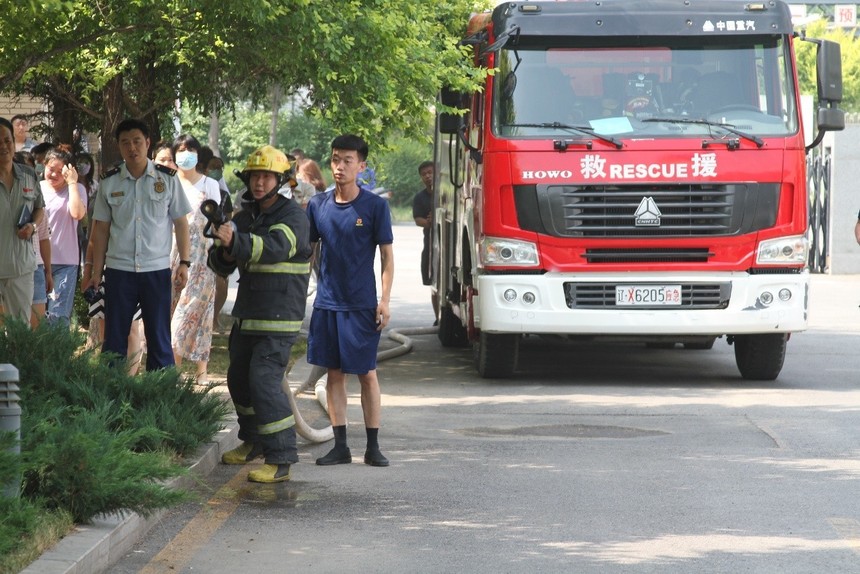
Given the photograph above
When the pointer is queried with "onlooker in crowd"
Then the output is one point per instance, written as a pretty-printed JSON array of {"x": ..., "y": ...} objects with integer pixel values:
[
  {"x": 299, "y": 154},
  {"x": 204, "y": 155},
  {"x": 347, "y": 320},
  {"x": 25, "y": 158},
  {"x": 268, "y": 242},
  {"x": 21, "y": 195},
  {"x": 191, "y": 326},
  {"x": 21, "y": 126},
  {"x": 299, "y": 189},
  {"x": 163, "y": 155},
  {"x": 43, "y": 281},
  {"x": 39, "y": 151},
  {"x": 215, "y": 170},
  {"x": 85, "y": 165},
  {"x": 137, "y": 204},
  {"x": 422, "y": 213},
  {"x": 65, "y": 206},
  {"x": 309, "y": 171}
]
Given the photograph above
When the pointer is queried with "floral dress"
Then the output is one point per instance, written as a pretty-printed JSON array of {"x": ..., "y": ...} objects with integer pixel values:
[{"x": 191, "y": 326}]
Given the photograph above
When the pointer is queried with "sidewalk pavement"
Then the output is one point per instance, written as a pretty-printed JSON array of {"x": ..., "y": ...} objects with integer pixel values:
[{"x": 93, "y": 548}]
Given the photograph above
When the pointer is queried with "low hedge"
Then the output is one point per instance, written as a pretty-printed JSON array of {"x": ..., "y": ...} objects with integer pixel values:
[{"x": 93, "y": 439}]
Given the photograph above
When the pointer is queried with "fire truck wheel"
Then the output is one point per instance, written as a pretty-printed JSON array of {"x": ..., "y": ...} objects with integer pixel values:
[
  {"x": 451, "y": 331},
  {"x": 496, "y": 355},
  {"x": 760, "y": 357}
]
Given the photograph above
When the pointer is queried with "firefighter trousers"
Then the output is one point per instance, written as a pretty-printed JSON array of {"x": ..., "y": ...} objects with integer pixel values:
[{"x": 254, "y": 377}]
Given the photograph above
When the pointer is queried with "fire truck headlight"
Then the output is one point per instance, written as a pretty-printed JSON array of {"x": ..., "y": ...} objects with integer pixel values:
[
  {"x": 784, "y": 294},
  {"x": 783, "y": 250},
  {"x": 510, "y": 295},
  {"x": 496, "y": 251},
  {"x": 528, "y": 297}
]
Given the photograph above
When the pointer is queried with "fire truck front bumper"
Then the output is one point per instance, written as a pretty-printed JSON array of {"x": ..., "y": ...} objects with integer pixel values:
[{"x": 642, "y": 304}]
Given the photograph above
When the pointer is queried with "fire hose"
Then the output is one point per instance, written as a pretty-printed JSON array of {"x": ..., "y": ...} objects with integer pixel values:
[{"x": 317, "y": 374}]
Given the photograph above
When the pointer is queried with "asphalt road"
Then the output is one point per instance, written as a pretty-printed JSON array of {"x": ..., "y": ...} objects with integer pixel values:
[{"x": 595, "y": 458}]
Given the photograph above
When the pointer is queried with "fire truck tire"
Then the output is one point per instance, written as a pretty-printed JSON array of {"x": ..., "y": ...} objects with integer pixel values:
[
  {"x": 760, "y": 357},
  {"x": 451, "y": 331},
  {"x": 496, "y": 355}
]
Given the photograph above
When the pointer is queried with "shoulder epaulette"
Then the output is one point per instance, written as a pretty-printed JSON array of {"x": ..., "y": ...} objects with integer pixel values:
[
  {"x": 113, "y": 171},
  {"x": 165, "y": 169}
]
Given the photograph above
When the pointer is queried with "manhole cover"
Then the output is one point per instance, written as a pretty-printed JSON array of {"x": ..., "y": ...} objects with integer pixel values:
[{"x": 565, "y": 431}]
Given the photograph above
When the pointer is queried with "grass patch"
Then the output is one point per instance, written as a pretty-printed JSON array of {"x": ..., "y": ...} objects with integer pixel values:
[{"x": 44, "y": 528}]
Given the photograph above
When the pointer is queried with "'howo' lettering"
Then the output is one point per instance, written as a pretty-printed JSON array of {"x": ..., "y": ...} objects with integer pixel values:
[{"x": 594, "y": 166}]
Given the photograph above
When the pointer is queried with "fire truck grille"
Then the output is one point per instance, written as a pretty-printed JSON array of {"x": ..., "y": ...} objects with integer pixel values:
[
  {"x": 602, "y": 296},
  {"x": 646, "y": 211},
  {"x": 656, "y": 255}
]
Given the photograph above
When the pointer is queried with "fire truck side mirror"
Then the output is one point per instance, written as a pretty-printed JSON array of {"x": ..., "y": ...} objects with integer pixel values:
[
  {"x": 450, "y": 123},
  {"x": 829, "y": 65},
  {"x": 829, "y": 79}
]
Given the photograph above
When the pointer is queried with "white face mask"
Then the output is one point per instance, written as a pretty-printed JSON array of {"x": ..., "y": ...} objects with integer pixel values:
[{"x": 186, "y": 159}]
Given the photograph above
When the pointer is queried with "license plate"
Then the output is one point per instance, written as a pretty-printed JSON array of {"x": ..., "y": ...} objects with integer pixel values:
[{"x": 647, "y": 295}]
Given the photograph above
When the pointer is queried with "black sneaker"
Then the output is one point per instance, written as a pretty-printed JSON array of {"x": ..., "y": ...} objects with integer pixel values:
[
  {"x": 335, "y": 456},
  {"x": 374, "y": 457}
]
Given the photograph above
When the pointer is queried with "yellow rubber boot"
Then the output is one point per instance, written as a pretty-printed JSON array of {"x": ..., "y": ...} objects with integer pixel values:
[
  {"x": 270, "y": 473},
  {"x": 242, "y": 454}
]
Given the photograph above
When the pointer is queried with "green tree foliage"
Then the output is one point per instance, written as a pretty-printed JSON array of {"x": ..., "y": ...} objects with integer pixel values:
[
  {"x": 850, "y": 46},
  {"x": 367, "y": 66},
  {"x": 398, "y": 169}
]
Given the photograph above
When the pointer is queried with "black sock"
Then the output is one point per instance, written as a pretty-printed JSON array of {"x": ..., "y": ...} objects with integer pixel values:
[
  {"x": 372, "y": 438},
  {"x": 339, "y": 437}
]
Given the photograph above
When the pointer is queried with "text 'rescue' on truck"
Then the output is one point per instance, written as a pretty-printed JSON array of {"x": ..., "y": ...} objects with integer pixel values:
[{"x": 633, "y": 169}]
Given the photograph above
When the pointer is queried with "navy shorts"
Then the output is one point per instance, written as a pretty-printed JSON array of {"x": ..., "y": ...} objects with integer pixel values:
[{"x": 345, "y": 340}]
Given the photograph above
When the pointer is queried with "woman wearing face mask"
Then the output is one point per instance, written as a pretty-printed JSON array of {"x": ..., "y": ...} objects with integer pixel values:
[{"x": 191, "y": 327}]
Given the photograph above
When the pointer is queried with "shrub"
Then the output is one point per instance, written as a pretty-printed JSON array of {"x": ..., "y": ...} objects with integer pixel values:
[{"x": 93, "y": 439}]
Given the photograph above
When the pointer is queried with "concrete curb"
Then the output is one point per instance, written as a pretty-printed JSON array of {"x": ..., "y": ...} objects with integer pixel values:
[{"x": 93, "y": 548}]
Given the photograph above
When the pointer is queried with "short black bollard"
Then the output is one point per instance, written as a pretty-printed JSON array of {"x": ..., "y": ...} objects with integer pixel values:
[{"x": 10, "y": 417}]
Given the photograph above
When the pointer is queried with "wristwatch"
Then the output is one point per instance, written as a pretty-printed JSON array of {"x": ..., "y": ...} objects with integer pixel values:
[{"x": 185, "y": 262}]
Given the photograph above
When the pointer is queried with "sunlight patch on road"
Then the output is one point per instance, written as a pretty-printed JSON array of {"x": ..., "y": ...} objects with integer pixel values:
[{"x": 675, "y": 548}]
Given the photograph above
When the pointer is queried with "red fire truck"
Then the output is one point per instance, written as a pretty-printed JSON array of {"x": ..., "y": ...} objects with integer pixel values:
[{"x": 631, "y": 169}]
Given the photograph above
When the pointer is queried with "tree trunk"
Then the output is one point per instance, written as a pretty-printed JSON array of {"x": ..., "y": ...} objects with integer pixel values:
[
  {"x": 112, "y": 96},
  {"x": 276, "y": 105},
  {"x": 214, "y": 133}
]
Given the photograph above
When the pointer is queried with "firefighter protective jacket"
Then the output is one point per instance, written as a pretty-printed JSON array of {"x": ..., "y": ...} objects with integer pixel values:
[{"x": 272, "y": 253}]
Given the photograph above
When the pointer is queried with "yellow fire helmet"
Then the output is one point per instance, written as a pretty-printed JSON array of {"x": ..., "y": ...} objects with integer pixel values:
[{"x": 268, "y": 158}]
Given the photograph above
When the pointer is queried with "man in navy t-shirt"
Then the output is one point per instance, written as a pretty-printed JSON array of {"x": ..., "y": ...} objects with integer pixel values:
[{"x": 347, "y": 320}]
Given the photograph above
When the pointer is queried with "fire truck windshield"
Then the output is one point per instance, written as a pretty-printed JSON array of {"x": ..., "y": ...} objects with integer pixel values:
[{"x": 744, "y": 82}]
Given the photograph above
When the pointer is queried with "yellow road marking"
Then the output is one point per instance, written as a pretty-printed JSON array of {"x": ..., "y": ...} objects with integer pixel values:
[
  {"x": 849, "y": 529},
  {"x": 182, "y": 548}
]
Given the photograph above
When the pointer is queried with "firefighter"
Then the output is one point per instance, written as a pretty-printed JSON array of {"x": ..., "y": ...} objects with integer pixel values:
[{"x": 268, "y": 242}]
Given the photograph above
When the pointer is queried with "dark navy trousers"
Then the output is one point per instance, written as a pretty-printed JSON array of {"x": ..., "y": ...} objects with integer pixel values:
[{"x": 123, "y": 291}]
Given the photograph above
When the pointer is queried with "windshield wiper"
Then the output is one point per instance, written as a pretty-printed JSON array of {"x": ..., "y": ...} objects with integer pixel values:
[
  {"x": 703, "y": 122},
  {"x": 581, "y": 129}
]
